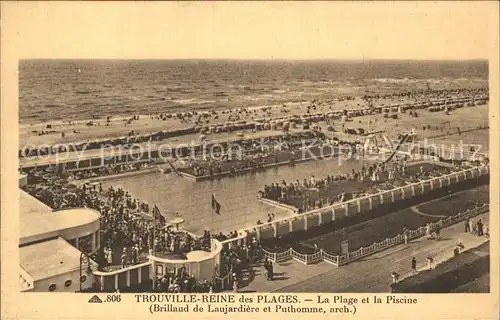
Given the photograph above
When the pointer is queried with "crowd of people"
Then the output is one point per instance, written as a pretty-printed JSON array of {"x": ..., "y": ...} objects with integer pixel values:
[
  {"x": 477, "y": 228},
  {"x": 254, "y": 155},
  {"x": 179, "y": 281},
  {"x": 428, "y": 94},
  {"x": 222, "y": 237},
  {"x": 234, "y": 262},
  {"x": 270, "y": 218},
  {"x": 201, "y": 168},
  {"x": 109, "y": 169},
  {"x": 237, "y": 259},
  {"x": 136, "y": 228},
  {"x": 381, "y": 176},
  {"x": 239, "y": 117},
  {"x": 131, "y": 230},
  {"x": 129, "y": 227}
]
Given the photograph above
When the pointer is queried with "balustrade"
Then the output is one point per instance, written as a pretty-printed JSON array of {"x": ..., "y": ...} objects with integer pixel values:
[{"x": 321, "y": 215}]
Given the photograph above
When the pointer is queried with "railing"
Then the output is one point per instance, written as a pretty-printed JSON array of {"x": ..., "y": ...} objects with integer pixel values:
[
  {"x": 282, "y": 256},
  {"x": 339, "y": 260},
  {"x": 297, "y": 256},
  {"x": 238, "y": 241},
  {"x": 121, "y": 270},
  {"x": 453, "y": 177},
  {"x": 224, "y": 283},
  {"x": 336, "y": 260}
]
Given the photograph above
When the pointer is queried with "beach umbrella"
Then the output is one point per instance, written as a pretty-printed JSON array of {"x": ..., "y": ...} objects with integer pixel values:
[{"x": 176, "y": 221}]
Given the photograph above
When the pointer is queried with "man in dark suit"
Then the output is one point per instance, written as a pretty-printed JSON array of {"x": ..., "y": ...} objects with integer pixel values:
[{"x": 414, "y": 265}]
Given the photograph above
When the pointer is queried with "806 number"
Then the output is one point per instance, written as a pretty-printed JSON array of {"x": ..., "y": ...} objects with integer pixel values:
[{"x": 113, "y": 298}]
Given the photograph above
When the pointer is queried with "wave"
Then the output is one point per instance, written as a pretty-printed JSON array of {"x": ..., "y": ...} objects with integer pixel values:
[
  {"x": 83, "y": 91},
  {"x": 178, "y": 89},
  {"x": 185, "y": 101},
  {"x": 52, "y": 105}
]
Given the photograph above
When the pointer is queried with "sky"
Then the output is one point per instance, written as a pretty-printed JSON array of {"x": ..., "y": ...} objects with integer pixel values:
[{"x": 242, "y": 30}]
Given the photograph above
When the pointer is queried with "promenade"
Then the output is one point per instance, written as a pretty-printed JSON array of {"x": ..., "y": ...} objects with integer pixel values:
[{"x": 370, "y": 274}]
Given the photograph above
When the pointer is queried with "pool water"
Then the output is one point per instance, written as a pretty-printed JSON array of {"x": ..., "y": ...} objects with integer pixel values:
[{"x": 237, "y": 195}]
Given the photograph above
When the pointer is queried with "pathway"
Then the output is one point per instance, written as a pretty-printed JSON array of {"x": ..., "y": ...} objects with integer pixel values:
[{"x": 370, "y": 274}]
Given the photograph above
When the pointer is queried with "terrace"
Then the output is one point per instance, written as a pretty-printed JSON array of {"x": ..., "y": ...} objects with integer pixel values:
[{"x": 328, "y": 191}]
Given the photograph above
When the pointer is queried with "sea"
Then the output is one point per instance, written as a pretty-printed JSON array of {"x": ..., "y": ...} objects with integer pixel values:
[{"x": 83, "y": 89}]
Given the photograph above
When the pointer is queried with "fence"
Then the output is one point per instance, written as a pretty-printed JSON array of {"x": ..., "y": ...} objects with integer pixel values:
[
  {"x": 240, "y": 240},
  {"x": 337, "y": 211},
  {"x": 339, "y": 260},
  {"x": 359, "y": 205}
]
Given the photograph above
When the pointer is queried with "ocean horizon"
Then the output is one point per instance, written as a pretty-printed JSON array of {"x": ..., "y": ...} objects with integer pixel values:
[{"x": 76, "y": 89}]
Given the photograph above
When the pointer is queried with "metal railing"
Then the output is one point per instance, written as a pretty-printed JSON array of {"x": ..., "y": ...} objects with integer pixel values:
[
  {"x": 362, "y": 252},
  {"x": 416, "y": 189}
]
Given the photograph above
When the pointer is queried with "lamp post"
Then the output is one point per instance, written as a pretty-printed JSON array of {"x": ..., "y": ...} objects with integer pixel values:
[{"x": 84, "y": 259}]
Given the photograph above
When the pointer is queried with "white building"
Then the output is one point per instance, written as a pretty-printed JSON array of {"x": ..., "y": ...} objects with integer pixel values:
[{"x": 51, "y": 245}]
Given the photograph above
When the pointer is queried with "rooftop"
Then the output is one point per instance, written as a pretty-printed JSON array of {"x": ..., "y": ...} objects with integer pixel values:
[
  {"x": 31, "y": 205},
  {"x": 38, "y": 221},
  {"x": 49, "y": 258}
]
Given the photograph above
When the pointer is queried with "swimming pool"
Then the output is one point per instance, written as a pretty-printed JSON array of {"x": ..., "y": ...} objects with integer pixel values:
[{"x": 237, "y": 195}]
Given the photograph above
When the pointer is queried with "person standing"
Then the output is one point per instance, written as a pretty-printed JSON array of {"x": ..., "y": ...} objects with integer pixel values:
[
  {"x": 110, "y": 256},
  {"x": 123, "y": 258},
  {"x": 480, "y": 228},
  {"x": 414, "y": 265},
  {"x": 467, "y": 225},
  {"x": 438, "y": 233},
  {"x": 428, "y": 231},
  {"x": 270, "y": 271},
  {"x": 430, "y": 260},
  {"x": 235, "y": 284},
  {"x": 405, "y": 235}
]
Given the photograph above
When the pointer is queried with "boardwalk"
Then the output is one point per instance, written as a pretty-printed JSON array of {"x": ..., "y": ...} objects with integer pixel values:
[{"x": 371, "y": 274}]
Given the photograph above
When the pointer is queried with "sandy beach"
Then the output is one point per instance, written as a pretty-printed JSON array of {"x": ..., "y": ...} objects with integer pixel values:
[{"x": 81, "y": 131}]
